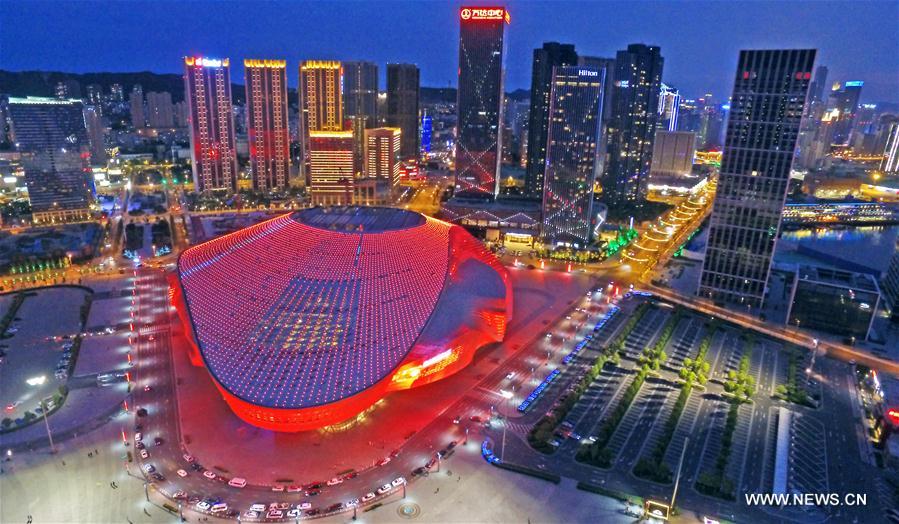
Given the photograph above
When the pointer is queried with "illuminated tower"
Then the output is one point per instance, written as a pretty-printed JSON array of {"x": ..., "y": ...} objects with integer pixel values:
[
  {"x": 382, "y": 154},
  {"x": 321, "y": 102},
  {"x": 669, "y": 104},
  {"x": 845, "y": 101},
  {"x": 331, "y": 167},
  {"x": 207, "y": 88},
  {"x": 770, "y": 88},
  {"x": 632, "y": 127},
  {"x": 402, "y": 105},
  {"x": 552, "y": 54},
  {"x": 480, "y": 101},
  {"x": 575, "y": 111},
  {"x": 266, "y": 84}
]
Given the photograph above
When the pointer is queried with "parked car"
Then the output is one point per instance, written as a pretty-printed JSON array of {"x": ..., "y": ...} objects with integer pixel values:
[
  {"x": 181, "y": 473},
  {"x": 208, "y": 474}
]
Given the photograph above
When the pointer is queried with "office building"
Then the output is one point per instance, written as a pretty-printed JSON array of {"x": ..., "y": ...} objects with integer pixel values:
[
  {"x": 669, "y": 107},
  {"x": 632, "y": 126},
  {"x": 321, "y": 103},
  {"x": 574, "y": 114},
  {"x": 551, "y": 55},
  {"x": 480, "y": 101},
  {"x": 402, "y": 106},
  {"x": 672, "y": 153},
  {"x": 51, "y": 137},
  {"x": 360, "y": 103},
  {"x": 770, "y": 88},
  {"x": 607, "y": 65},
  {"x": 207, "y": 89},
  {"x": 382, "y": 154},
  {"x": 331, "y": 167},
  {"x": 160, "y": 111},
  {"x": 96, "y": 133},
  {"x": 834, "y": 301},
  {"x": 267, "y": 131}
]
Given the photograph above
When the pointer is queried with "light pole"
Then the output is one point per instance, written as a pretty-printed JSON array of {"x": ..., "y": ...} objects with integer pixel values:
[
  {"x": 146, "y": 491},
  {"x": 47, "y": 424},
  {"x": 180, "y": 513}
]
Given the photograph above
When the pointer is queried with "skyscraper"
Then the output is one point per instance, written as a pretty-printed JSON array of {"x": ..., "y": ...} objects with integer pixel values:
[
  {"x": 770, "y": 88},
  {"x": 632, "y": 126},
  {"x": 331, "y": 167},
  {"x": 55, "y": 147},
  {"x": 844, "y": 100},
  {"x": 402, "y": 106},
  {"x": 321, "y": 103},
  {"x": 360, "y": 102},
  {"x": 160, "y": 111},
  {"x": 669, "y": 107},
  {"x": 207, "y": 89},
  {"x": 480, "y": 101},
  {"x": 267, "y": 132},
  {"x": 890, "y": 162},
  {"x": 575, "y": 111},
  {"x": 136, "y": 101},
  {"x": 552, "y": 54},
  {"x": 382, "y": 154},
  {"x": 606, "y": 65}
]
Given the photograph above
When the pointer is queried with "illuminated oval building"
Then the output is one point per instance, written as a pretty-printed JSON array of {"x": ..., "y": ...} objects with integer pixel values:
[{"x": 308, "y": 319}]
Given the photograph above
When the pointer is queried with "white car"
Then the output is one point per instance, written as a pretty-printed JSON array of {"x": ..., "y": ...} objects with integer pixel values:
[
  {"x": 237, "y": 482},
  {"x": 181, "y": 473},
  {"x": 138, "y": 436},
  {"x": 208, "y": 474},
  {"x": 217, "y": 508},
  {"x": 399, "y": 481},
  {"x": 510, "y": 375},
  {"x": 352, "y": 502},
  {"x": 335, "y": 481},
  {"x": 279, "y": 488},
  {"x": 188, "y": 458},
  {"x": 367, "y": 497},
  {"x": 304, "y": 505},
  {"x": 251, "y": 514},
  {"x": 257, "y": 507},
  {"x": 203, "y": 505},
  {"x": 384, "y": 489},
  {"x": 275, "y": 514},
  {"x": 295, "y": 513},
  {"x": 144, "y": 454}
]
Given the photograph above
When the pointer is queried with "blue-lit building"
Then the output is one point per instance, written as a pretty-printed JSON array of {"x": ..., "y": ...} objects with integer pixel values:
[
  {"x": 575, "y": 111},
  {"x": 426, "y": 129}
]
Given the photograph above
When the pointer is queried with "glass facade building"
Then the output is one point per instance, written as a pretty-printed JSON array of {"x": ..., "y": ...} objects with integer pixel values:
[
  {"x": 480, "y": 101},
  {"x": 360, "y": 102},
  {"x": 402, "y": 105},
  {"x": 575, "y": 111},
  {"x": 834, "y": 301},
  {"x": 552, "y": 54},
  {"x": 51, "y": 136},
  {"x": 770, "y": 88},
  {"x": 632, "y": 126}
]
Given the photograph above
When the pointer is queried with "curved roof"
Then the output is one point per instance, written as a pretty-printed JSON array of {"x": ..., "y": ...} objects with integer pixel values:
[{"x": 314, "y": 306}]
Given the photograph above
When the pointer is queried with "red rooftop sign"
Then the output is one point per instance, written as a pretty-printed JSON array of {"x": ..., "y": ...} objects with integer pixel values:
[{"x": 484, "y": 13}]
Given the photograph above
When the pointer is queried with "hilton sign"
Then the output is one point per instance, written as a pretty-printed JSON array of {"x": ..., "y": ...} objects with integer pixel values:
[{"x": 484, "y": 13}]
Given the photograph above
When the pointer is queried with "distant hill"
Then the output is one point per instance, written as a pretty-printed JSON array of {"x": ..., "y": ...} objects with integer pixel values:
[{"x": 43, "y": 83}]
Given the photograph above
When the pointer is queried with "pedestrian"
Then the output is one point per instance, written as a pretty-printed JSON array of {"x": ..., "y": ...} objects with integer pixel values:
[
  {"x": 29, "y": 519},
  {"x": 90, "y": 454},
  {"x": 96, "y": 452},
  {"x": 436, "y": 491},
  {"x": 63, "y": 462}
]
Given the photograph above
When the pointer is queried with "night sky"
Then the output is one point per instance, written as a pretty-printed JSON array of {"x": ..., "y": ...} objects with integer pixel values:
[{"x": 699, "y": 40}]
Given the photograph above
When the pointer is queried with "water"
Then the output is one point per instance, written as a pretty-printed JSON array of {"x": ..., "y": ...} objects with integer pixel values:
[{"x": 868, "y": 246}]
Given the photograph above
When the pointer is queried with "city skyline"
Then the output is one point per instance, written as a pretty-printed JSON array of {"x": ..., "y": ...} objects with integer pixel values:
[{"x": 691, "y": 66}]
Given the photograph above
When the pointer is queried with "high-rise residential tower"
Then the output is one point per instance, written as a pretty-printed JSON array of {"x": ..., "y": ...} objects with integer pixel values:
[
  {"x": 632, "y": 126},
  {"x": 50, "y": 135},
  {"x": 480, "y": 101},
  {"x": 360, "y": 103},
  {"x": 552, "y": 54},
  {"x": 402, "y": 106},
  {"x": 844, "y": 100},
  {"x": 575, "y": 111},
  {"x": 96, "y": 133},
  {"x": 770, "y": 88},
  {"x": 207, "y": 90},
  {"x": 267, "y": 131},
  {"x": 136, "y": 102},
  {"x": 160, "y": 111}
]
